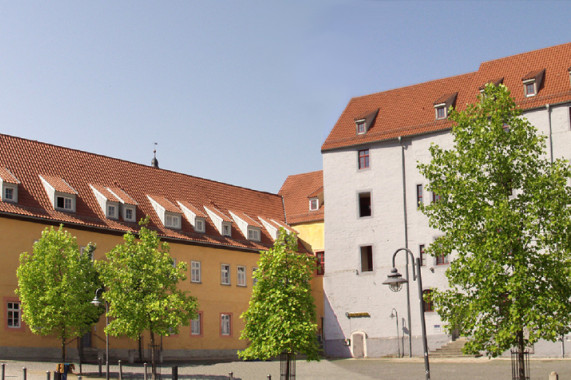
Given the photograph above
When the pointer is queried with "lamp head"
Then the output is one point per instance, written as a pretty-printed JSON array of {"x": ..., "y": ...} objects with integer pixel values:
[
  {"x": 96, "y": 301},
  {"x": 394, "y": 280}
]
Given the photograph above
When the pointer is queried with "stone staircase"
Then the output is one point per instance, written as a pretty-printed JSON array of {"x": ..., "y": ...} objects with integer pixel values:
[{"x": 450, "y": 350}]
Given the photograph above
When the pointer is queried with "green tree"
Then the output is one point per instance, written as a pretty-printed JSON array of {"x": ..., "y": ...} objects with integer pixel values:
[
  {"x": 56, "y": 284},
  {"x": 505, "y": 215},
  {"x": 140, "y": 280},
  {"x": 281, "y": 315}
]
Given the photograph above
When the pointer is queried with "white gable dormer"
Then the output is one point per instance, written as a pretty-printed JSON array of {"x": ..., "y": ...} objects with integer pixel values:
[
  {"x": 195, "y": 217},
  {"x": 168, "y": 213},
  {"x": 272, "y": 228},
  {"x": 127, "y": 204},
  {"x": 61, "y": 195},
  {"x": 251, "y": 229},
  {"x": 9, "y": 186},
  {"x": 222, "y": 223},
  {"x": 108, "y": 202}
]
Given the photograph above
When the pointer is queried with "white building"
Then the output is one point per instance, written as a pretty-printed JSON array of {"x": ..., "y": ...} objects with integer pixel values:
[{"x": 372, "y": 188}]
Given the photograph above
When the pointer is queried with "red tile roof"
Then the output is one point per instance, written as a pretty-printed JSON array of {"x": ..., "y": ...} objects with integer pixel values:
[
  {"x": 27, "y": 159},
  {"x": 191, "y": 207},
  {"x": 409, "y": 110},
  {"x": 7, "y": 176},
  {"x": 58, "y": 184},
  {"x": 105, "y": 192},
  {"x": 296, "y": 191}
]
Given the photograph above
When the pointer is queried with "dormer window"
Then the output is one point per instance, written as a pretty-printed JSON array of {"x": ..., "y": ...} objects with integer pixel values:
[
  {"x": 442, "y": 104},
  {"x": 226, "y": 229},
  {"x": 110, "y": 202},
  {"x": 254, "y": 234},
  {"x": 221, "y": 221},
  {"x": 365, "y": 122},
  {"x": 532, "y": 82},
  {"x": 172, "y": 221},
  {"x": 200, "y": 225},
  {"x": 8, "y": 186},
  {"x": 250, "y": 228},
  {"x": 112, "y": 212},
  {"x": 168, "y": 213},
  {"x": 195, "y": 217},
  {"x": 129, "y": 213},
  {"x": 314, "y": 204},
  {"x": 61, "y": 194}
]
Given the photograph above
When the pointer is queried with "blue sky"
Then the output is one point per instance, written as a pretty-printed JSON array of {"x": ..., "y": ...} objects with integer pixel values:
[{"x": 242, "y": 92}]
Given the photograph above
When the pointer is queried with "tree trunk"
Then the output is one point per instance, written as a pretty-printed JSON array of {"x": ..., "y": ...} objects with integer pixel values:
[
  {"x": 140, "y": 348},
  {"x": 153, "y": 364},
  {"x": 520, "y": 355},
  {"x": 287, "y": 366}
]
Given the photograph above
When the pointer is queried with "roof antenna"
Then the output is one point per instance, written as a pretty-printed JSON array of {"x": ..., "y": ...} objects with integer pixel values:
[{"x": 154, "y": 161}]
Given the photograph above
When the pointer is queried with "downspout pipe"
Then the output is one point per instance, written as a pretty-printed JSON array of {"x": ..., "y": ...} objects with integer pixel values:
[{"x": 548, "y": 108}]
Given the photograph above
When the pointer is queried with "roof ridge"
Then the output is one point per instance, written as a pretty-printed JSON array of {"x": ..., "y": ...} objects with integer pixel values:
[
  {"x": 524, "y": 53},
  {"x": 134, "y": 163}
]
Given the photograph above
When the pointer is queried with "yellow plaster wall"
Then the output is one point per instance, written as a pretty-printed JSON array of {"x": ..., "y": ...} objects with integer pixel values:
[{"x": 213, "y": 298}]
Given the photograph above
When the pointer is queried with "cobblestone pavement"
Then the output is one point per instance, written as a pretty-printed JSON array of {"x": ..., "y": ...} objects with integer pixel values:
[{"x": 350, "y": 369}]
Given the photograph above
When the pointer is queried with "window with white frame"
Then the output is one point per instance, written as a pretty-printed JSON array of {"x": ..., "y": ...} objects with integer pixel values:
[
  {"x": 199, "y": 225},
  {"x": 195, "y": 273},
  {"x": 441, "y": 111},
  {"x": 196, "y": 325},
  {"x": 529, "y": 88},
  {"x": 313, "y": 204},
  {"x": 422, "y": 254},
  {"x": 10, "y": 193},
  {"x": 361, "y": 127},
  {"x": 226, "y": 324},
  {"x": 254, "y": 234},
  {"x": 172, "y": 221},
  {"x": 226, "y": 229},
  {"x": 64, "y": 203},
  {"x": 112, "y": 211},
  {"x": 225, "y": 274},
  {"x": 241, "y": 280},
  {"x": 14, "y": 315},
  {"x": 129, "y": 213}
]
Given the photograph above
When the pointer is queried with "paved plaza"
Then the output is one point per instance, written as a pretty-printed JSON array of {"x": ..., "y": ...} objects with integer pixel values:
[{"x": 350, "y": 369}]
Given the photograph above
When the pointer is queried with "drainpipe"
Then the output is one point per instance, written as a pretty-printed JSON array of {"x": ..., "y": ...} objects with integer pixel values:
[
  {"x": 548, "y": 108},
  {"x": 406, "y": 245}
]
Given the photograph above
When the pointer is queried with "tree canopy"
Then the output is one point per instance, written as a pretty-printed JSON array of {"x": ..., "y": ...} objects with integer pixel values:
[
  {"x": 281, "y": 314},
  {"x": 140, "y": 280},
  {"x": 56, "y": 284},
  {"x": 505, "y": 217}
]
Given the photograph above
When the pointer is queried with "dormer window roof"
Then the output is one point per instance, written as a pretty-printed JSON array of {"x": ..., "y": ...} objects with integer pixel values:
[
  {"x": 61, "y": 195},
  {"x": 533, "y": 82},
  {"x": 128, "y": 204},
  {"x": 250, "y": 228},
  {"x": 221, "y": 221},
  {"x": 496, "y": 82},
  {"x": 316, "y": 199},
  {"x": 442, "y": 104},
  {"x": 108, "y": 201},
  {"x": 168, "y": 213},
  {"x": 194, "y": 215},
  {"x": 364, "y": 122},
  {"x": 9, "y": 186},
  {"x": 271, "y": 227}
]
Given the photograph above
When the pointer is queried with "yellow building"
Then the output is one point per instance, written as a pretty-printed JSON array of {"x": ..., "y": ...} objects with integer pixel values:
[
  {"x": 304, "y": 206},
  {"x": 216, "y": 228}
]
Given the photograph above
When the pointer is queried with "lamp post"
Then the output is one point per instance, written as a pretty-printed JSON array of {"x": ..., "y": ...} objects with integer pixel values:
[
  {"x": 97, "y": 302},
  {"x": 395, "y": 282},
  {"x": 394, "y": 314}
]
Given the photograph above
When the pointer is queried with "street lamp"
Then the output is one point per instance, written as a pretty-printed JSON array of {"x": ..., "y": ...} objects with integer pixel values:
[
  {"x": 395, "y": 281},
  {"x": 394, "y": 314},
  {"x": 97, "y": 302}
]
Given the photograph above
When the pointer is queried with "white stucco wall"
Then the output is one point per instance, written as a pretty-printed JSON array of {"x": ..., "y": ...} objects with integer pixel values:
[{"x": 346, "y": 288}]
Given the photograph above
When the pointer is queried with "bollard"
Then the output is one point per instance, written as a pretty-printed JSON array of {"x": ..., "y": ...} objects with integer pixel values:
[
  {"x": 48, "y": 375},
  {"x": 3, "y": 371},
  {"x": 269, "y": 377},
  {"x": 100, "y": 361},
  {"x": 231, "y": 375},
  {"x": 175, "y": 373},
  {"x": 145, "y": 373},
  {"x": 120, "y": 371},
  {"x": 24, "y": 374},
  {"x": 553, "y": 376}
]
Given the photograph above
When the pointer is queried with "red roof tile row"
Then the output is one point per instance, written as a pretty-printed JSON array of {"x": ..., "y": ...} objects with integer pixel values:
[
  {"x": 73, "y": 170},
  {"x": 410, "y": 111}
]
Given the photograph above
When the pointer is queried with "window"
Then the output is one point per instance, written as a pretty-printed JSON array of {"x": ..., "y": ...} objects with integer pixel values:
[
  {"x": 253, "y": 234},
  {"x": 313, "y": 204},
  {"x": 241, "y": 281},
  {"x": 64, "y": 203},
  {"x": 367, "y": 258},
  {"x": 199, "y": 225},
  {"x": 361, "y": 127},
  {"x": 129, "y": 214},
  {"x": 9, "y": 194},
  {"x": 226, "y": 230},
  {"x": 364, "y": 159},
  {"x": 422, "y": 255},
  {"x": 529, "y": 88},
  {"x": 226, "y": 324},
  {"x": 441, "y": 112},
  {"x": 320, "y": 256},
  {"x": 364, "y": 204},
  {"x": 195, "y": 271},
  {"x": 419, "y": 200},
  {"x": 13, "y": 315},
  {"x": 172, "y": 221},
  {"x": 196, "y": 325},
  {"x": 225, "y": 274},
  {"x": 427, "y": 300},
  {"x": 441, "y": 260},
  {"x": 111, "y": 211},
  {"x": 88, "y": 251},
  {"x": 436, "y": 197},
  {"x": 254, "y": 280}
]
